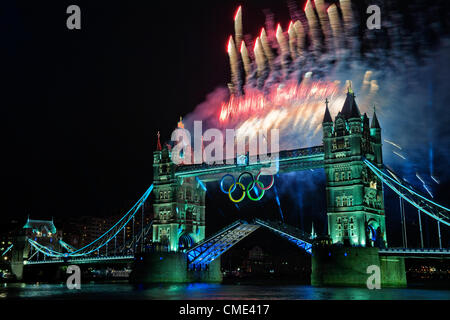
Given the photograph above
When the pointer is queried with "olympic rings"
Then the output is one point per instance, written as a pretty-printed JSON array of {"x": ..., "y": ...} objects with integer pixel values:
[
  {"x": 264, "y": 188},
  {"x": 250, "y": 189},
  {"x": 249, "y": 174},
  {"x": 233, "y": 185},
  {"x": 246, "y": 190},
  {"x": 243, "y": 192}
]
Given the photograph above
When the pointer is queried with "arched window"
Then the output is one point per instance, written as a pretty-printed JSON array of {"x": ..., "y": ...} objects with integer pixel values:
[{"x": 344, "y": 201}]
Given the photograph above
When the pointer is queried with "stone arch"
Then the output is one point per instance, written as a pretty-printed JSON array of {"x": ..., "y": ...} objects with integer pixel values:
[{"x": 185, "y": 241}]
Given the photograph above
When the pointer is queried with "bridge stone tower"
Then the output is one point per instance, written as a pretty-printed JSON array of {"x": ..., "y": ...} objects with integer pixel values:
[
  {"x": 179, "y": 205},
  {"x": 355, "y": 206}
]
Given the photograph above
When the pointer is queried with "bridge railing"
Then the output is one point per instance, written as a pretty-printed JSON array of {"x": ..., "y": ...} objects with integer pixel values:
[
  {"x": 208, "y": 250},
  {"x": 294, "y": 235},
  {"x": 422, "y": 203}
]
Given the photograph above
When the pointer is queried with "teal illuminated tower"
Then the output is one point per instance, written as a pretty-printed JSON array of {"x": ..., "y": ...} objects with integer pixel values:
[
  {"x": 179, "y": 205},
  {"x": 355, "y": 206}
]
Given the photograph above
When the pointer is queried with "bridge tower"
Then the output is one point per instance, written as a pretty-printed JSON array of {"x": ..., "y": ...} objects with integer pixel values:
[
  {"x": 355, "y": 205},
  {"x": 179, "y": 205},
  {"x": 179, "y": 223}
]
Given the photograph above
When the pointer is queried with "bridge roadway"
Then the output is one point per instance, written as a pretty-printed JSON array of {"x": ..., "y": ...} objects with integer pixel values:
[
  {"x": 126, "y": 258},
  {"x": 212, "y": 247},
  {"x": 288, "y": 160},
  {"x": 416, "y": 253}
]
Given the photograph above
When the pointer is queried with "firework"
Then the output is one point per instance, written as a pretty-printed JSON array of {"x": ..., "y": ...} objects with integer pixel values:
[
  {"x": 346, "y": 8},
  {"x": 259, "y": 56},
  {"x": 323, "y": 18},
  {"x": 398, "y": 154},
  {"x": 233, "y": 62},
  {"x": 238, "y": 26},
  {"x": 298, "y": 27},
  {"x": 394, "y": 144},
  {"x": 313, "y": 25},
  {"x": 435, "y": 179},
  {"x": 266, "y": 46},
  {"x": 366, "y": 80},
  {"x": 245, "y": 59},
  {"x": 292, "y": 40},
  {"x": 335, "y": 25}
]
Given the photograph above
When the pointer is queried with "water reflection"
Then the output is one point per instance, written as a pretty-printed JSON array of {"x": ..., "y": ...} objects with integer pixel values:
[{"x": 210, "y": 291}]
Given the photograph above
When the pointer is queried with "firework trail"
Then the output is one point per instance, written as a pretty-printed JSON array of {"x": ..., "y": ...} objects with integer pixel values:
[{"x": 325, "y": 49}]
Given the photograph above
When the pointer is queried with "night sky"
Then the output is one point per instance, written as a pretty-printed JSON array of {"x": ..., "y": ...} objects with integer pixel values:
[{"x": 79, "y": 109}]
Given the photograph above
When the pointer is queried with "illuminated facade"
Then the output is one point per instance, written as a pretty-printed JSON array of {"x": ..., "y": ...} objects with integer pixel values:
[
  {"x": 44, "y": 232},
  {"x": 179, "y": 205},
  {"x": 355, "y": 206}
]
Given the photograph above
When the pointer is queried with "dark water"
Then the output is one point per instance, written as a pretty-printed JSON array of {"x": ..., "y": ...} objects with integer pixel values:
[{"x": 125, "y": 291}]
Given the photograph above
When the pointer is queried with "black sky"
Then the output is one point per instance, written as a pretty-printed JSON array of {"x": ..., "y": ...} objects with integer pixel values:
[{"x": 80, "y": 109}]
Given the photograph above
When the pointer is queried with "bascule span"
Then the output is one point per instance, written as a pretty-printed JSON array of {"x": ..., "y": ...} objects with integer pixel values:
[{"x": 202, "y": 262}]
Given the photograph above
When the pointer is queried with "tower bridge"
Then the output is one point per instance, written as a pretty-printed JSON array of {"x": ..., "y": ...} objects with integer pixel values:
[{"x": 351, "y": 156}]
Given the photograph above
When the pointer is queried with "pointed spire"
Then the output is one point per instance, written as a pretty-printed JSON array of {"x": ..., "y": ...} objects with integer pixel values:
[
  {"x": 181, "y": 124},
  {"x": 158, "y": 144},
  {"x": 375, "y": 124},
  {"x": 350, "y": 108},
  {"x": 327, "y": 116}
]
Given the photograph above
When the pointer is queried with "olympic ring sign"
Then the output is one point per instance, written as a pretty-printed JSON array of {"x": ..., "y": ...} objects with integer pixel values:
[{"x": 246, "y": 189}]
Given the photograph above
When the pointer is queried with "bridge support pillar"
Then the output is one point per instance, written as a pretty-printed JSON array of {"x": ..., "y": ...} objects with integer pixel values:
[
  {"x": 18, "y": 252},
  {"x": 171, "y": 267},
  {"x": 347, "y": 266}
]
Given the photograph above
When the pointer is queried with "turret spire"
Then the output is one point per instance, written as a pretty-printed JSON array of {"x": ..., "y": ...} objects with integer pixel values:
[
  {"x": 327, "y": 116},
  {"x": 181, "y": 124},
  {"x": 158, "y": 144},
  {"x": 375, "y": 124},
  {"x": 350, "y": 108}
]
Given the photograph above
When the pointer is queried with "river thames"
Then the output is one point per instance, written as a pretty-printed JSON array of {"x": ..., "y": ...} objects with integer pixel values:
[{"x": 199, "y": 291}]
